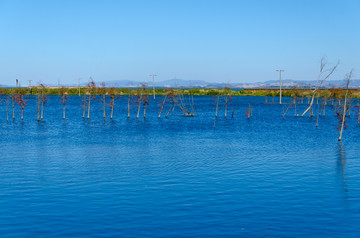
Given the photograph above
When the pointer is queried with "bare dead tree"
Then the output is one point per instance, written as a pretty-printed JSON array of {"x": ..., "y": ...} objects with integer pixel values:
[
  {"x": 21, "y": 99},
  {"x": 324, "y": 74}
]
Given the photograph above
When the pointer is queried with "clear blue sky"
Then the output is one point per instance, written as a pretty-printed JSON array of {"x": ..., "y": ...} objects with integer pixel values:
[{"x": 217, "y": 41}]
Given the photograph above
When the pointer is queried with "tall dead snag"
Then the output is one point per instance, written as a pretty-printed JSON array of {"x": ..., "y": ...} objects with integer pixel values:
[
  {"x": 324, "y": 74},
  {"x": 63, "y": 98},
  {"x": 113, "y": 98},
  {"x": 348, "y": 78},
  {"x": 90, "y": 91}
]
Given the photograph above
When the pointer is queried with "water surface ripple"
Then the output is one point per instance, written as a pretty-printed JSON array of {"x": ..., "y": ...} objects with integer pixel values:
[{"x": 266, "y": 176}]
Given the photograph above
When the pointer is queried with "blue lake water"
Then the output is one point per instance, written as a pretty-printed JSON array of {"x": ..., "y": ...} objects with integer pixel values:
[{"x": 264, "y": 176}]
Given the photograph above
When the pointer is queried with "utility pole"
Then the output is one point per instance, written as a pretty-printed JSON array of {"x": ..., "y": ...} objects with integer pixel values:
[
  {"x": 280, "y": 70},
  {"x": 29, "y": 86},
  {"x": 79, "y": 86},
  {"x": 153, "y": 76}
]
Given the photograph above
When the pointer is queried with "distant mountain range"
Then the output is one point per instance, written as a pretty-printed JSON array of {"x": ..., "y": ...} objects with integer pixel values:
[
  {"x": 181, "y": 83},
  {"x": 174, "y": 83}
]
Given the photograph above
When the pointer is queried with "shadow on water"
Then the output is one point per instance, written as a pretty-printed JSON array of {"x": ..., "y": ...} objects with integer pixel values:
[{"x": 340, "y": 166}]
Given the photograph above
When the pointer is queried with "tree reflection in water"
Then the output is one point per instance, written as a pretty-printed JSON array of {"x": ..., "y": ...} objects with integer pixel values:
[{"x": 340, "y": 166}]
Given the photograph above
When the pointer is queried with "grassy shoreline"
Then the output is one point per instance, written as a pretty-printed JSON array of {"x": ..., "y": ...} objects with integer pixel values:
[{"x": 323, "y": 93}]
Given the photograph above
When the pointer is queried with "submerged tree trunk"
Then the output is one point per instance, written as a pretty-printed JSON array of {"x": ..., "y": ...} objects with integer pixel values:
[
  {"x": 317, "y": 117},
  {"x": 88, "y": 115},
  {"x": 13, "y": 109},
  {"x": 192, "y": 105},
  {"x": 169, "y": 110},
  {"x": 104, "y": 115},
  {"x": 343, "y": 118},
  {"x": 38, "y": 110},
  {"x": 112, "y": 110},
  {"x": 42, "y": 110},
  {"x": 162, "y": 106},
  {"x": 84, "y": 111},
  {"x": 129, "y": 107},
  {"x": 7, "y": 110},
  {"x": 226, "y": 104},
  {"x": 138, "y": 112},
  {"x": 217, "y": 106},
  {"x": 345, "y": 100}
]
